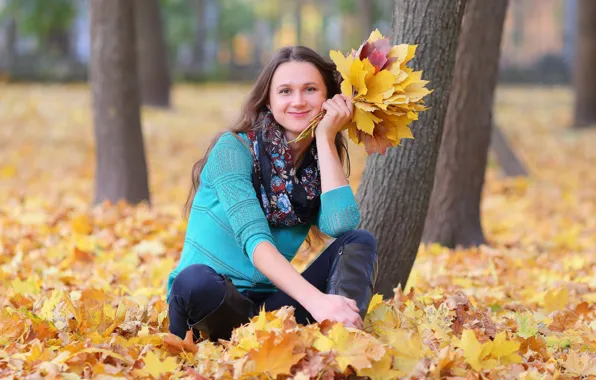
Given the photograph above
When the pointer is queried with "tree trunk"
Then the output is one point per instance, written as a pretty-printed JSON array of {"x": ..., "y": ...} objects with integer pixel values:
[
  {"x": 7, "y": 46},
  {"x": 510, "y": 164},
  {"x": 151, "y": 54},
  {"x": 453, "y": 217},
  {"x": 396, "y": 187},
  {"x": 298, "y": 21},
  {"x": 584, "y": 75},
  {"x": 365, "y": 18},
  {"x": 121, "y": 170},
  {"x": 198, "y": 45},
  {"x": 59, "y": 42}
]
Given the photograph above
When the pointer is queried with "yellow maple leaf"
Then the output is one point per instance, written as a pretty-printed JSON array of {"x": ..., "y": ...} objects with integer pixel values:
[
  {"x": 378, "y": 86},
  {"x": 342, "y": 63},
  {"x": 556, "y": 299},
  {"x": 381, "y": 369},
  {"x": 505, "y": 351},
  {"x": 351, "y": 346},
  {"x": 47, "y": 310},
  {"x": 80, "y": 224},
  {"x": 476, "y": 353},
  {"x": 377, "y": 299},
  {"x": 276, "y": 359},
  {"x": 357, "y": 77},
  {"x": 407, "y": 346},
  {"x": 155, "y": 367},
  {"x": 365, "y": 121}
]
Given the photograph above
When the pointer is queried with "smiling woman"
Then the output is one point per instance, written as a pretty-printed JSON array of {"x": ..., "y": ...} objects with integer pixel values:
[{"x": 255, "y": 198}]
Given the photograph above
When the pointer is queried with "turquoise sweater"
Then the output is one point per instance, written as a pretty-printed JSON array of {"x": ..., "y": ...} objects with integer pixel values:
[{"x": 226, "y": 221}]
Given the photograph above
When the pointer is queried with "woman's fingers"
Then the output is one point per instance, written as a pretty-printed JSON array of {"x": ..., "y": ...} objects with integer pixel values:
[
  {"x": 352, "y": 304},
  {"x": 340, "y": 105}
]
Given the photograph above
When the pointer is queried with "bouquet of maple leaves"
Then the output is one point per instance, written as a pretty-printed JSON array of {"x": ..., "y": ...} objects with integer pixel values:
[{"x": 387, "y": 95}]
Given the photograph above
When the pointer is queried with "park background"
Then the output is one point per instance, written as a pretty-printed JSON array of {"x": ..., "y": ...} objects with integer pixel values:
[{"x": 64, "y": 258}]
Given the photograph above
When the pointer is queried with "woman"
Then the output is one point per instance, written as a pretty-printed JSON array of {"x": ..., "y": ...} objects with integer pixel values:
[{"x": 255, "y": 197}]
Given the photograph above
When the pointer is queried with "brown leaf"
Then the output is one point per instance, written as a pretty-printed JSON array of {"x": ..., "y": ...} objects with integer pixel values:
[
  {"x": 563, "y": 320},
  {"x": 175, "y": 345}
]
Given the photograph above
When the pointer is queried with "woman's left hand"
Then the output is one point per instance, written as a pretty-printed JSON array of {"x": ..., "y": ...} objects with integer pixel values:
[{"x": 339, "y": 110}]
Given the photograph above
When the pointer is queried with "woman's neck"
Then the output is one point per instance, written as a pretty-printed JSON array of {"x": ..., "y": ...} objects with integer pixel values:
[{"x": 298, "y": 149}]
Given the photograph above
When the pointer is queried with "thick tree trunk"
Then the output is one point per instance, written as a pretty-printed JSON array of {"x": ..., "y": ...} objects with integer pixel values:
[
  {"x": 584, "y": 75},
  {"x": 396, "y": 187},
  {"x": 510, "y": 164},
  {"x": 453, "y": 217},
  {"x": 151, "y": 54},
  {"x": 121, "y": 170}
]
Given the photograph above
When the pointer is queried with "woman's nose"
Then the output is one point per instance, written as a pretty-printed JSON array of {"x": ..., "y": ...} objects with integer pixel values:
[{"x": 298, "y": 99}]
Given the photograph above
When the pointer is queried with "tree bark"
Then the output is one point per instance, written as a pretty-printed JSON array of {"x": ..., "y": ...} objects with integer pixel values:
[
  {"x": 396, "y": 187},
  {"x": 121, "y": 170},
  {"x": 584, "y": 75},
  {"x": 453, "y": 217},
  {"x": 510, "y": 164},
  {"x": 152, "y": 54}
]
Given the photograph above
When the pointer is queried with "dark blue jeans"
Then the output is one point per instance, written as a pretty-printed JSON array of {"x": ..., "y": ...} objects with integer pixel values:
[{"x": 198, "y": 290}]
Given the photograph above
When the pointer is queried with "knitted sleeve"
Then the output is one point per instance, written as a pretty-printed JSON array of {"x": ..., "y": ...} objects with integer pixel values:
[
  {"x": 229, "y": 171},
  {"x": 339, "y": 211}
]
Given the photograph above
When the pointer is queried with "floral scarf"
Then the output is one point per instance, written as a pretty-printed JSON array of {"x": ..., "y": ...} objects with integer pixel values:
[{"x": 288, "y": 196}]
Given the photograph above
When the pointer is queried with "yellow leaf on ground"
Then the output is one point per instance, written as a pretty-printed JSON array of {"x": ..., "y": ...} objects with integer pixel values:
[
  {"x": 155, "y": 367},
  {"x": 276, "y": 358}
]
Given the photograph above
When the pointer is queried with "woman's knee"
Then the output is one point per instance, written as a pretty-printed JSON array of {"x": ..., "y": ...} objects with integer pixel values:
[
  {"x": 363, "y": 237},
  {"x": 199, "y": 282}
]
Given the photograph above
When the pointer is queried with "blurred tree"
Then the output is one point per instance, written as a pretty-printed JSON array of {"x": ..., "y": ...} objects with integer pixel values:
[
  {"x": 365, "y": 17},
  {"x": 584, "y": 75},
  {"x": 510, "y": 164},
  {"x": 179, "y": 24},
  {"x": 454, "y": 213},
  {"x": 395, "y": 189},
  {"x": 47, "y": 21},
  {"x": 298, "y": 20},
  {"x": 200, "y": 36},
  {"x": 154, "y": 74},
  {"x": 121, "y": 171},
  {"x": 7, "y": 45}
]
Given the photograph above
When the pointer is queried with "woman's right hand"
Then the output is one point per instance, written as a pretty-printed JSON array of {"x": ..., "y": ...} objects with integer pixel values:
[{"x": 336, "y": 309}]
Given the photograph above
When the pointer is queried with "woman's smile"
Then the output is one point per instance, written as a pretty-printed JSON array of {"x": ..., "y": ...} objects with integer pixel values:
[{"x": 299, "y": 114}]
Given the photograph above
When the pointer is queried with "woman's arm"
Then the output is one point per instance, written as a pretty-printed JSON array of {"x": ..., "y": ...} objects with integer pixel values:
[
  {"x": 338, "y": 112},
  {"x": 321, "y": 306},
  {"x": 332, "y": 172}
]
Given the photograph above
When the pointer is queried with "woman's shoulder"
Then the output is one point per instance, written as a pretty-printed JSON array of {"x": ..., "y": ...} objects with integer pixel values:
[{"x": 235, "y": 139}]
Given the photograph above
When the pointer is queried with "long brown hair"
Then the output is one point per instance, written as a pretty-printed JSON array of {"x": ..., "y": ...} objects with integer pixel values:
[{"x": 258, "y": 99}]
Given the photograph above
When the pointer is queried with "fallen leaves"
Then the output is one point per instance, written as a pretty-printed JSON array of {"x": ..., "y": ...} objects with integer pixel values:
[{"x": 84, "y": 286}]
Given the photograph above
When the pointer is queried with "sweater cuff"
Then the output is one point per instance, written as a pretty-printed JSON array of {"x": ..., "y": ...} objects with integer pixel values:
[{"x": 341, "y": 197}]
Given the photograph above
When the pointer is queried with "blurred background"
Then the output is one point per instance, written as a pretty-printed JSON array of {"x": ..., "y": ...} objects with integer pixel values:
[{"x": 222, "y": 40}]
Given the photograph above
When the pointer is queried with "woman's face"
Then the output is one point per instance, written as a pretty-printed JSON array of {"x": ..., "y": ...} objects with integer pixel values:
[{"x": 295, "y": 97}]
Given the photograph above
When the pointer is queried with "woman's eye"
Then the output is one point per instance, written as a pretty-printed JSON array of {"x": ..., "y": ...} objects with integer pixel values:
[
  {"x": 285, "y": 91},
  {"x": 311, "y": 89}
]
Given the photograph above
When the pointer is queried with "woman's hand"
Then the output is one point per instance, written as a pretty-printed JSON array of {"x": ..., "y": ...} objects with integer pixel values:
[
  {"x": 336, "y": 309},
  {"x": 339, "y": 110}
]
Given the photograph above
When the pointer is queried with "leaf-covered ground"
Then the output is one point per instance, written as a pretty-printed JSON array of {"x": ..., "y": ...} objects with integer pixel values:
[{"x": 83, "y": 287}]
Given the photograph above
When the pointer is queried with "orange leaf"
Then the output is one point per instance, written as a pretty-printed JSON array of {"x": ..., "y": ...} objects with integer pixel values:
[
  {"x": 276, "y": 359},
  {"x": 563, "y": 321},
  {"x": 175, "y": 345}
]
